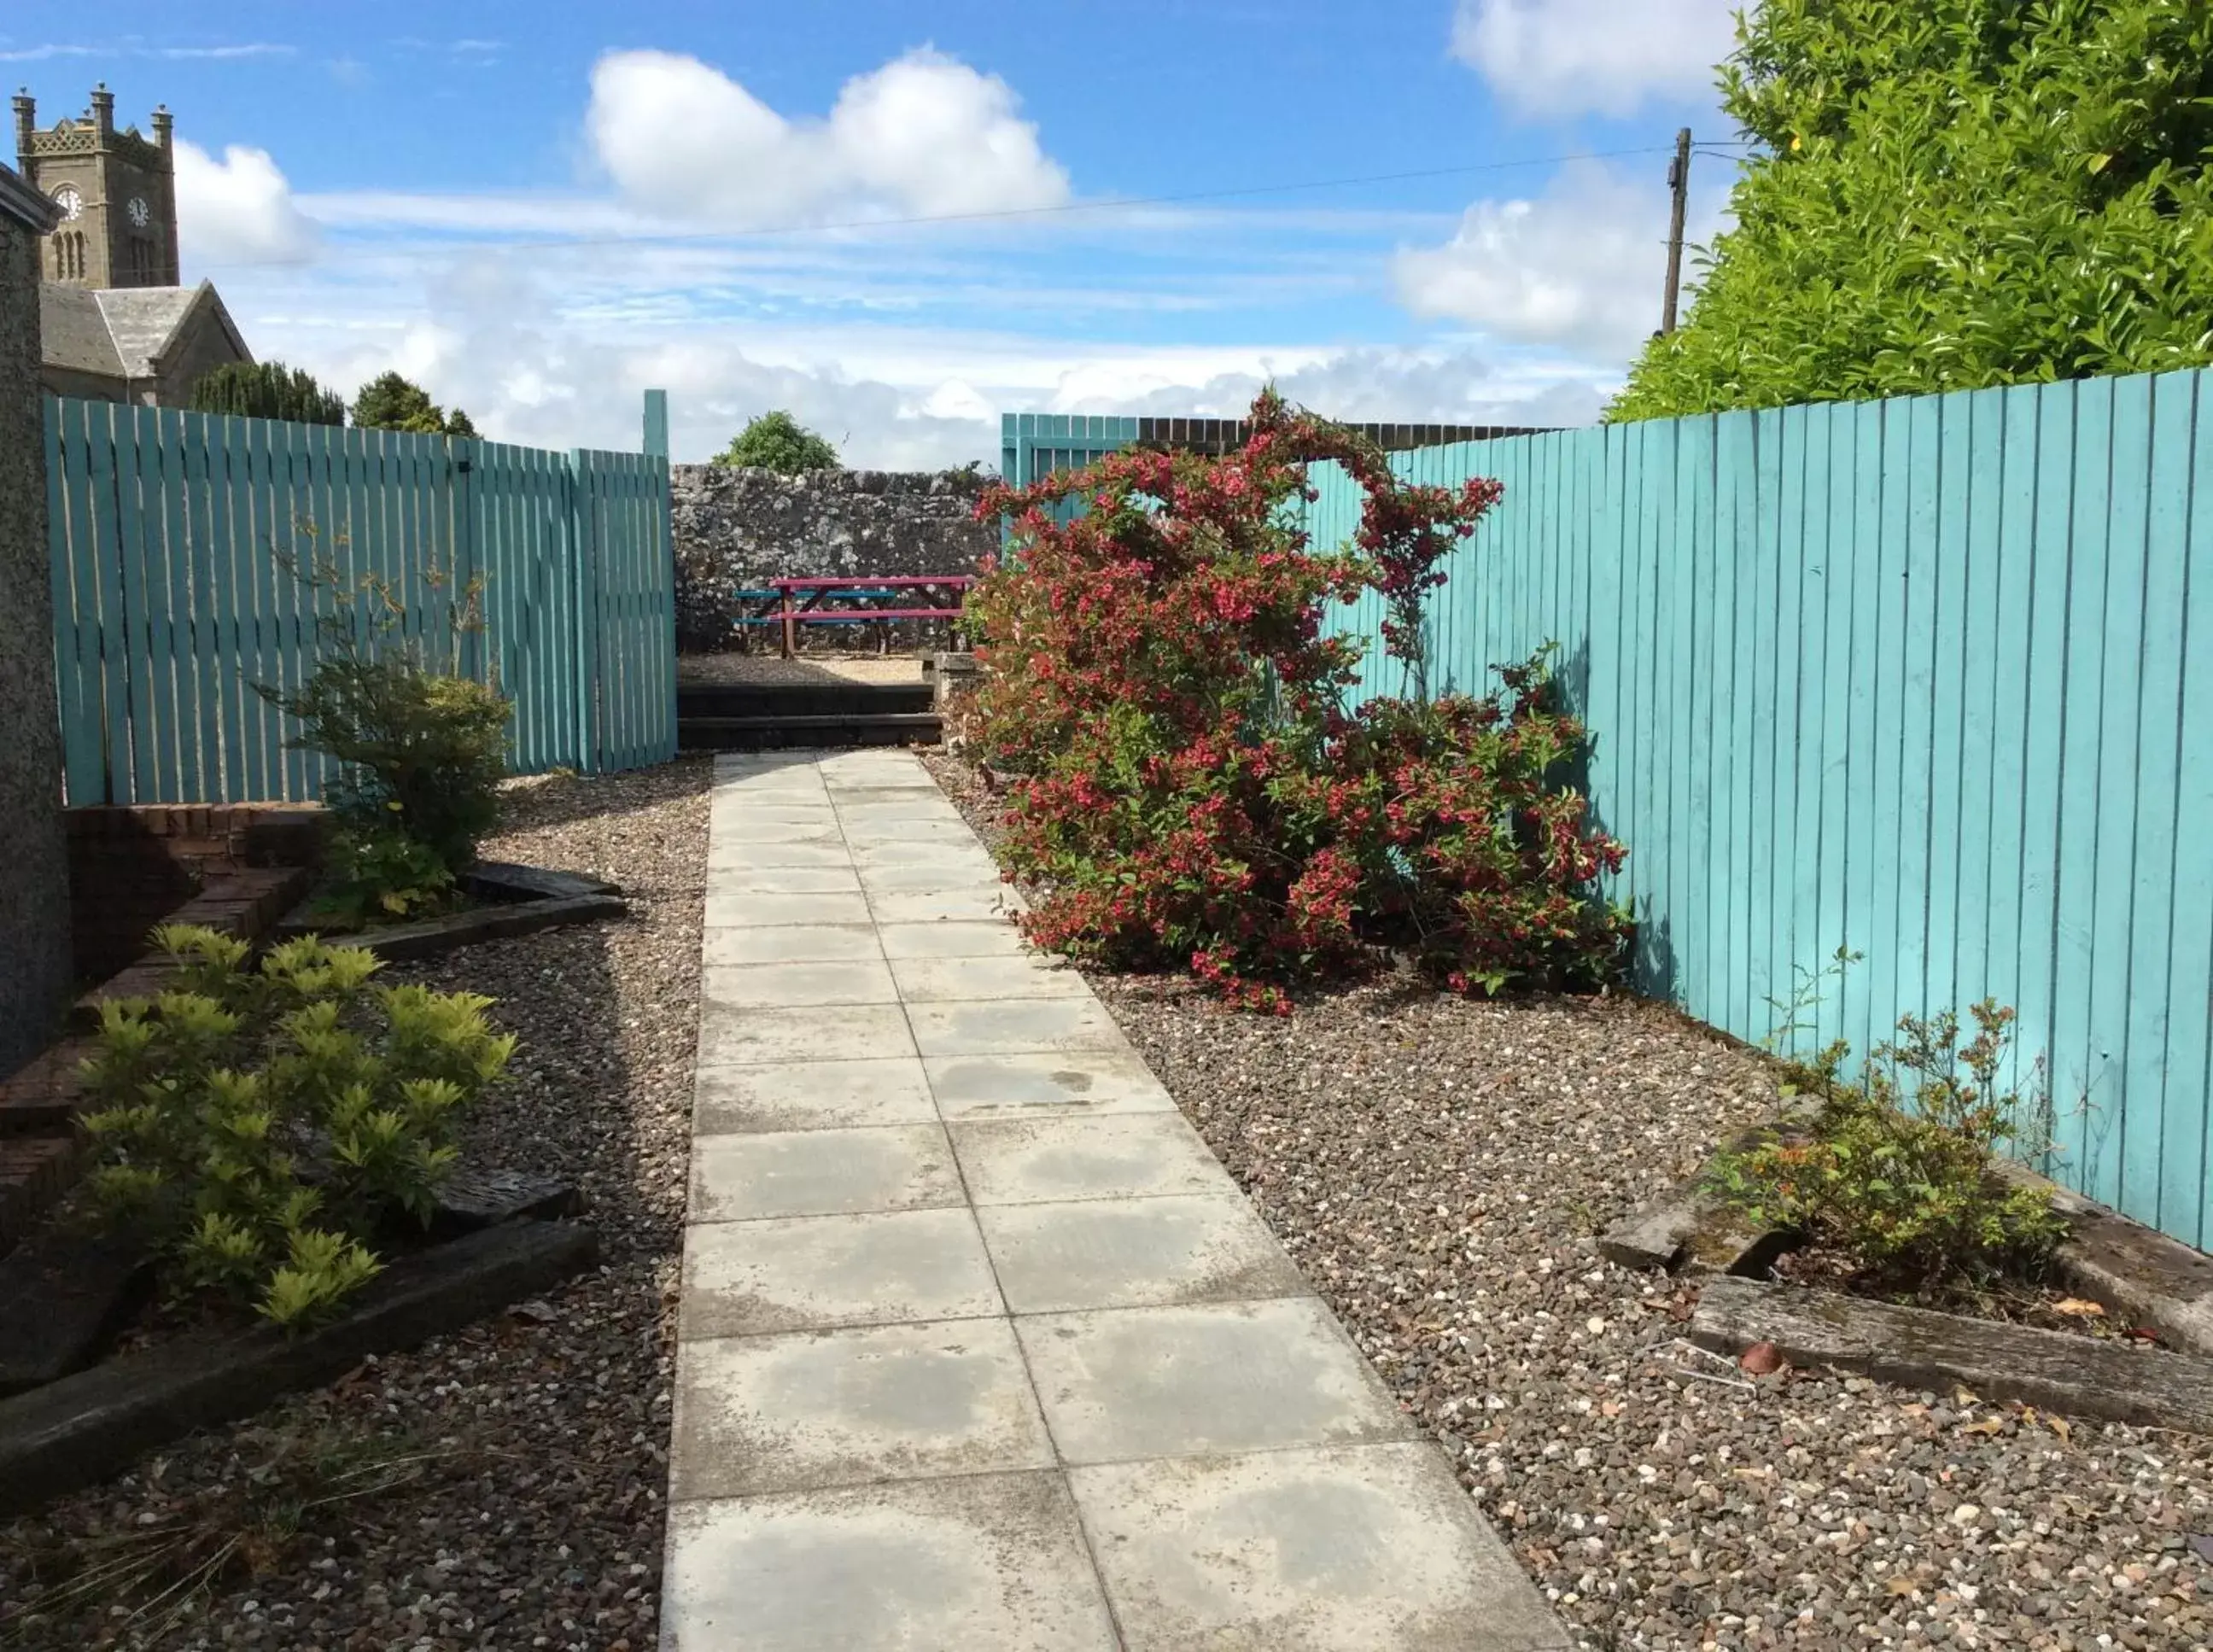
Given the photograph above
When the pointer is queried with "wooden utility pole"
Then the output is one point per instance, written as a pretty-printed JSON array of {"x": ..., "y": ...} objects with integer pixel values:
[{"x": 1678, "y": 182}]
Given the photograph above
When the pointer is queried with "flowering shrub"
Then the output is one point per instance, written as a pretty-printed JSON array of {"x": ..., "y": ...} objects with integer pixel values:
[{"x": 1186, "y": 785}]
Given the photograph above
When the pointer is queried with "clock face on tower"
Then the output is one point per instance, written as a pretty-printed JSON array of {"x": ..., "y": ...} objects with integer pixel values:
[
  {"x": 141, "y": 214},
  {"x": 71, "y": 203}
]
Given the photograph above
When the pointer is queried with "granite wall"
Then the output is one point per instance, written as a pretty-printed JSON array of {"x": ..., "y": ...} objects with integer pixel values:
[
  {"x": 34, "y": 924},
  {"x": 737, "y": 527}
]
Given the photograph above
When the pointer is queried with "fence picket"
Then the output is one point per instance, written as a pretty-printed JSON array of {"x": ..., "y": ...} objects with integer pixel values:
[{"x": 169, "y": 603}]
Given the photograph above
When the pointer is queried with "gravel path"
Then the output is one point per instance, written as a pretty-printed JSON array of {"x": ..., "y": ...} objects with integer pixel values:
[
  {"x": 533, "y": 1517},
  {"x": 1439, "y": 1168}
]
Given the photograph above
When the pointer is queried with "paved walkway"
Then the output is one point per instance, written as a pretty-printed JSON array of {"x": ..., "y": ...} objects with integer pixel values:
[{"x": 982, "y": 1351}]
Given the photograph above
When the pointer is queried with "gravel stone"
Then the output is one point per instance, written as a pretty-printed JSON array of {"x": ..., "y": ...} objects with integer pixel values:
[{"x": 538, "y": 1523}]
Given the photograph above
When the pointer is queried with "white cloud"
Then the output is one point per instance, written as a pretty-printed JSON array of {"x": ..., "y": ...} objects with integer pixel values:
[
  {"x": 1580, "y": 266},
  {"x": 132, "y": 47},
  {"x": 239, "y": 210},
  {"x": 924, "y": 135},
  {"x": 1451, "y": 385},
  {"x": 1565, "y": 58}
]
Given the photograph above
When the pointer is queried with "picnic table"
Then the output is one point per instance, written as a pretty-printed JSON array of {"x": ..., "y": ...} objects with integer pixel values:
[{"x": 792, "y": 603}]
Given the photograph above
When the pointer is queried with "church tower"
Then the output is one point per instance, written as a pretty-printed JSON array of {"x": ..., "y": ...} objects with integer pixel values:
[{"x": 117, "y": 192}]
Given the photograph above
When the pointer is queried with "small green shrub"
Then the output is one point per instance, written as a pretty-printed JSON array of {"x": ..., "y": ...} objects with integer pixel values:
[
  {"x": 776, "y": 441},
  {"x": 422, "y": 744},
  {"x": 424, "y": 752},
  {"x": 381, "y": 876},
  {"x": 1896, "y": 1170},
  {"x": 259, "y": 1127}
]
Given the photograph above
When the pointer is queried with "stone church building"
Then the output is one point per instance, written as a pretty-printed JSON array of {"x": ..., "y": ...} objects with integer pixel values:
[{"x": 117, "y": 323}]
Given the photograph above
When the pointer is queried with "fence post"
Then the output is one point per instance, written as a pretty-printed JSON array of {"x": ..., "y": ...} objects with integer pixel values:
[
  {"x": 584, "y": 540},
  {"x": 657, "y": 424}
]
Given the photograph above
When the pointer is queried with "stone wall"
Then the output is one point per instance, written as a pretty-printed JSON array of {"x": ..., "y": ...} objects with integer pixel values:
[
  {"x": 34, "y": 926},
  {"x": 737, "y": 528}
]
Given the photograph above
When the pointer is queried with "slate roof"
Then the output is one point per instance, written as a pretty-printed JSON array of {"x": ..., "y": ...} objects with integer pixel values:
[
  {"x": 74, "y": 333},
  {"x": 123, "y": 331}
]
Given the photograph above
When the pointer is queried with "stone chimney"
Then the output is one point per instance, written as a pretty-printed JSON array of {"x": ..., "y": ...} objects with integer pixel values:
[
  {"x": 103, "y": 110},
  {"x": 27, "y": 122}
]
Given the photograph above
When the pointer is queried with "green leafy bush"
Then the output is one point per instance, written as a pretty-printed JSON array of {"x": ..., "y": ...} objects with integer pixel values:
[
  {"x": 424, "y": 752},
  {"x": 259, "y": 1127},
  {"x": 1951, "y": 194},
  {"x": 266, "y": 390},
  {"x": 389, "y": 402},
  {"x": 777, "y": 441},
  {"x": 381, "y": 876},
  {"x": 424, "y": 745},
  {"x": 1896, "y": 1170}
]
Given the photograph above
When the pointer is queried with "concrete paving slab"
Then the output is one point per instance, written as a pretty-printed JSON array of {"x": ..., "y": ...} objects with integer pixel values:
[
  {"x": 797, "y": 985},
  {"x": 1046, "y": 1084},
  {"x": 1134, "y": 1252},
  {"x": 785, "y": 881},
  {"x": 1002, "y": 978},
  {"x": 992, "y": 937},
  {"x": 732, "y": 1036},
  {"x": 925, "y": 874},
  {"x": 818, "y": 1409},
  {"x": 816, "y": 1173},
  {"x": 921, "y": 832},
  {"x": 791, "y": 943},
  {"x": 1208, "y": 1380},
  {"x": 811, "y": 1095},
  {"x": 891, "y": 806},
  {"x": 925, "y": 842},
  {"x": 818, "y": 1273},
  {"x": 754, "y": 856},
  {"x": 767, "y": 788},
  {"x": 922, "y": 794},
  {"x": 737, "y": 910},
  {"x": 973, "y": 905},
  {"x": 986, "y": 1563},
  {"x": 1011, "y": 1026},
  {"x": 1361, "y": 1549},
  {"x": 795, "y": 825},
  {"x": 1053, "y": 1161}
]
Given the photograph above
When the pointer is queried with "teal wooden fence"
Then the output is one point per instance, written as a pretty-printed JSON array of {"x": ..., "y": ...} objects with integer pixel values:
[
  {"x": 169, "y": 533},
  {"x": 1932, "y": 678}
]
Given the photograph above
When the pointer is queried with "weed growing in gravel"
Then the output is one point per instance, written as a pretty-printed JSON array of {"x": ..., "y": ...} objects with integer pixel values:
[
  {"x": 1187, "y": 787},
  {"x": 1896, "y": 1170},
  {"x": 257, "y": 1128}
]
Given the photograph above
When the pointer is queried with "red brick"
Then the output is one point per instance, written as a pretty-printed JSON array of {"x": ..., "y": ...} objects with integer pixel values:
[
  {"x": 44, "y": 1093},
  {"x": 143, "y": 979},
  {"x": 34, "y": 1172}
]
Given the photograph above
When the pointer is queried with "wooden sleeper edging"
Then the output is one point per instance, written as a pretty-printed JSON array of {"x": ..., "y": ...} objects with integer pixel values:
[
  {"x": 1918, "y": 1349},
  {"x": 76, "y": 1432}
]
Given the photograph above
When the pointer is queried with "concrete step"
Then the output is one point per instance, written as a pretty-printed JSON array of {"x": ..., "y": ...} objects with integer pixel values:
[
  {"x": 751, "y": 733},
  {"x": 816, "y": 699}
]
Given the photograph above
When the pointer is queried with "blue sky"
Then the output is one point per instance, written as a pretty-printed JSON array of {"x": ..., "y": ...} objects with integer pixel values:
[{"x": 541, "y": 209}]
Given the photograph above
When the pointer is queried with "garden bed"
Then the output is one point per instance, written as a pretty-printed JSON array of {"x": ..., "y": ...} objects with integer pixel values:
[
  {"x": 526, "y": 1503},
  {"x": 500, "y": 899}
]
